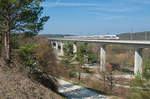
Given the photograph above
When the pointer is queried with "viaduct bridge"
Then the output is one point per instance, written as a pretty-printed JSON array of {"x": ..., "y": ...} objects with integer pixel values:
[{"x": 137, "y": 45}]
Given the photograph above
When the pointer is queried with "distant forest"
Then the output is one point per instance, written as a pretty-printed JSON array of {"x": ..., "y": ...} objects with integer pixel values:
[
  {"x": 55, "y": 35},
  {"x": 123, "y": 36},
  {"x": 135, "y": 36}
]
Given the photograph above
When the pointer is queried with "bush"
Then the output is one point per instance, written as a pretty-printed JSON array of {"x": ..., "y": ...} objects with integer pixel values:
[
  {"x": 26, "y": 52},
  {"x": 39, "y": 61},
  {"x": 68, "y": 49},
  {"x": 45, "y": 79},
  {"x": 140, "y": 88},
  {"x": 73, "y": 73},
  {"x": 92, "y": 57},
  {"x": 14, "y": 42},
  {"x": 46, "y": 58}
]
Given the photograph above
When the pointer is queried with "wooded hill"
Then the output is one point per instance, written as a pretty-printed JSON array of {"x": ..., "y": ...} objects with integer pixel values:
[
  {"x": 135, "y": 36},
  {"x": 55, "y": 35}
]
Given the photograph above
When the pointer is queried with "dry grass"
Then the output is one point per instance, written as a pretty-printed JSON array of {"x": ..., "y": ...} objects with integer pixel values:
[{"x": 17, "y": 86}]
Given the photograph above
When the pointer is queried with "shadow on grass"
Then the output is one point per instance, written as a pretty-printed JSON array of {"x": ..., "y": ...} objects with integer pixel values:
[
  {"x": 80, "y": 93},
  {"x": 98, "y": 91},
  {"x": 125, "y": 70}
]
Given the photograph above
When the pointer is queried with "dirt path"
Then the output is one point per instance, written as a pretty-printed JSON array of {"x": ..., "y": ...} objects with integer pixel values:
[{"x": 72, "y": 91}]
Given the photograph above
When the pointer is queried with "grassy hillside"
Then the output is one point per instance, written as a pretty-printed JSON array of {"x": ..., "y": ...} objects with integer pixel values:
[
  {"x": 135, "y": 36},
  {"x": 32, "y": 71}
]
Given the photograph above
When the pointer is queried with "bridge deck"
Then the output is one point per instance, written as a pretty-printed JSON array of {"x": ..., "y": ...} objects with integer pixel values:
[{"x": 128, "y": 42}]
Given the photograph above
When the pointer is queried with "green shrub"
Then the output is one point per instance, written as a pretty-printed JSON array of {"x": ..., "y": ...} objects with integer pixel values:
[
  {"x": 31, "y": 55},
  {"x": 146, "y": 71},
  {"x": 73, "y": 74},
  {"x": 140, "y": 88},
  {"x": 68, "y": 49},
  {"x": 92, "y": 58},
  {"x": 14, "y": 41},
  {"x": 26, "y": 52}
]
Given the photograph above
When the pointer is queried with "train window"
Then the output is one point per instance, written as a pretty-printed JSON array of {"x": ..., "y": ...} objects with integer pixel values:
[{"x": 106, "y": 36}]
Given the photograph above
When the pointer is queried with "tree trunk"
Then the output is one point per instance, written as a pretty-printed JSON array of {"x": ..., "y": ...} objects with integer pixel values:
[
  {"x": 104, "y": 78},
  {"x": 7, "y": 35},
  {"x": 7, "y": 43},
  {"x": 79, "y": 78}
]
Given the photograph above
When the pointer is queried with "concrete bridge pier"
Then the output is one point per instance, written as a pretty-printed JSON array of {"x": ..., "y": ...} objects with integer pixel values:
[
  {"x": 62, "y": 49},
  {"x": 138, "y": 62},
  {"x": 74, "y": 47},
  {"x": 103, "y": 58},
  {"x": 52, "y": 43},
  {"x": 56, "y": 47}
]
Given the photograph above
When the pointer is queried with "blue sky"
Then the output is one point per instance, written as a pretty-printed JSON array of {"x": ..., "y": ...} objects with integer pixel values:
[{"x": 96, "y": 17}]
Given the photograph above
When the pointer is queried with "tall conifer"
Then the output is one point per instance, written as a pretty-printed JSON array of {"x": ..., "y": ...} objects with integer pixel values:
[{"x": 20, "y": 16}]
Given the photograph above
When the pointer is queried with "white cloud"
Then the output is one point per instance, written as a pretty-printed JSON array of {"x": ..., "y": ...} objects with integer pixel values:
[
  {"x": 113, "y": 9},
  {"x": 107, "y": 16},
  {"x": 113, "y": 17},
  {"x": 58, "y": 3},
  {"x": 119, "y": 9},
  {"x": 138, "y": 1}
]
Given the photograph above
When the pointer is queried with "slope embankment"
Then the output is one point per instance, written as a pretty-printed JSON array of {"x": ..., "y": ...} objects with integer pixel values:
[{"x": 17, "y": 86}]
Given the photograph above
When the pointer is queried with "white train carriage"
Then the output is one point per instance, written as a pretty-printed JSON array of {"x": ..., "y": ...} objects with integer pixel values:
[{"x": 95, "y": 37}]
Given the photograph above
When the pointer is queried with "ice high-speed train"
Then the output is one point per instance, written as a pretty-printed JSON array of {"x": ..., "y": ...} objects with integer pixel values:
[{"x": 95, "y": 37}]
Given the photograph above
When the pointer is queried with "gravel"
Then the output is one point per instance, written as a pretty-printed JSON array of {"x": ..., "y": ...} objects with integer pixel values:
[{"x": 72, "y": 91}]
